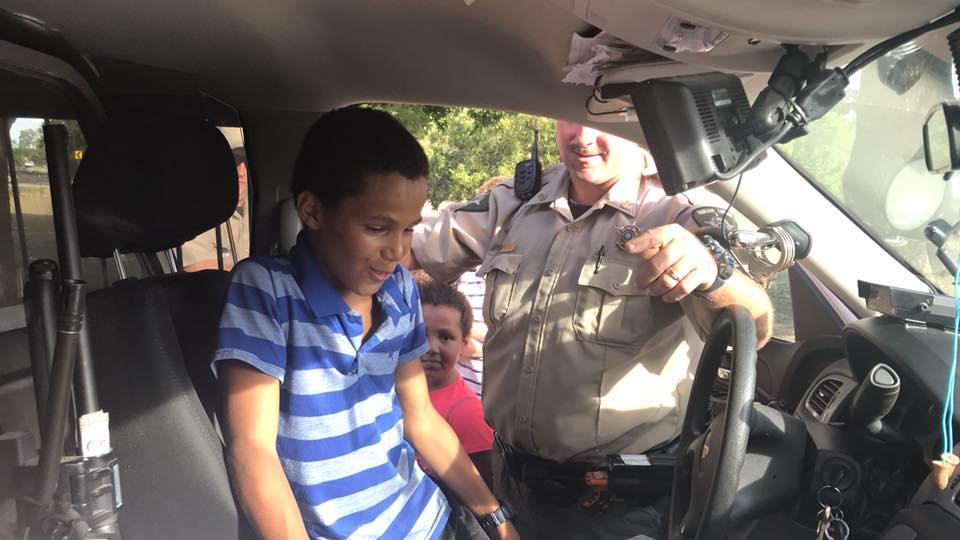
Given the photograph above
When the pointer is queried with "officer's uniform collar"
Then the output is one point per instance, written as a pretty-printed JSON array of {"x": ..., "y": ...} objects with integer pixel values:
[{"x": 625, "y": 196}]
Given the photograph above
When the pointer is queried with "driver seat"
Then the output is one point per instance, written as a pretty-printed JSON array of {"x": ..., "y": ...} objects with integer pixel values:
[{"x": 147, "y": 184}]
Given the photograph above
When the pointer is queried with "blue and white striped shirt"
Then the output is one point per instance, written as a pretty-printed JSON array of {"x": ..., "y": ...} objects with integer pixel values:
[{"x": 340, "y": 436}]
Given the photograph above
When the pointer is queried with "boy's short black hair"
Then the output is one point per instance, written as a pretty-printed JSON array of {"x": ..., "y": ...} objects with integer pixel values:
[
  {"x": 435, "y": 293},
  {"x": 346, "y": 144}
]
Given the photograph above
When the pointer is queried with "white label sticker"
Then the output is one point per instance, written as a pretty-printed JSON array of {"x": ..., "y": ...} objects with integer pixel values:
[
  {"x": 95, "y": 434},
  {"x": 635, "y": 459}
]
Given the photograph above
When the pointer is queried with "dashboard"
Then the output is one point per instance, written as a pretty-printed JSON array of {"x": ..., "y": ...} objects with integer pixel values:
[{"x": 883, "y": 468}]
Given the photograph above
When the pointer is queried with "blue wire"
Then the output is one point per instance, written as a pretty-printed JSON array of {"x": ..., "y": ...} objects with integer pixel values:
[{"x": 947, "y": 420}]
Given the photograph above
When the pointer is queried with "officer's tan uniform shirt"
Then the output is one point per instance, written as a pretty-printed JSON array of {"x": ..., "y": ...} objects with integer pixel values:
[
  {"x": 579, "y": 363},
  {"x": 204, "y": 246}
]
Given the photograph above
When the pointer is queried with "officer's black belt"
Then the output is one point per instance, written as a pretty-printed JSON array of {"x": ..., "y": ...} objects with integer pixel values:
[
  {"x": 638, "y": 479},
  {"x": 547, "y": 481}
]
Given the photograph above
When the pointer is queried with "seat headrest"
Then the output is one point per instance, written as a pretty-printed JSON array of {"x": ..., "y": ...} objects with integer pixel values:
[
  {"x": 290, "y": 225},
  {"x": 149, "y": 183}
]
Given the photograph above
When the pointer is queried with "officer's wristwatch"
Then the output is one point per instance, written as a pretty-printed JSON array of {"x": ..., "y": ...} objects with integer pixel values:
[
  {"x": 496, "y": 518},
  {"x": 726, "y": 264}
]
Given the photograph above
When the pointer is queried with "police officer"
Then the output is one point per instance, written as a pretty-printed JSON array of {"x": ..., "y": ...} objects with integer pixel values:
[
  {"x": 592, "y": 325},
  {"x": 200, "y": 253}
]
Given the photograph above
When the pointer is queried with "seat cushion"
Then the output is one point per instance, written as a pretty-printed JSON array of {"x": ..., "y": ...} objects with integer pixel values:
[{"x": 173, "y": 477}]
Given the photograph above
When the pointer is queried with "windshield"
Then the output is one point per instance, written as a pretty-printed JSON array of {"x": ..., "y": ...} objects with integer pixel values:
[{"x": 867, "y": 153}]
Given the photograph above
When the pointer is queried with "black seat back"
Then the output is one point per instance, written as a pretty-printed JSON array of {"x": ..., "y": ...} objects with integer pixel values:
[
  {"x": 172, "y": 475},
  {"x": 195, "y": 302},
  {"x": 148, "y": 184}
]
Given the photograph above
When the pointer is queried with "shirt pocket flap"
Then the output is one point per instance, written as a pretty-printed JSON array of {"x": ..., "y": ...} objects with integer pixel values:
[
  {"x": 614, "y": 276},
  {"x": 505, "y": 262}
]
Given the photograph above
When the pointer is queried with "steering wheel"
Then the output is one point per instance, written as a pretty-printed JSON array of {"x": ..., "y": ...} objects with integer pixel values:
[{"x": 712, "y": 452}]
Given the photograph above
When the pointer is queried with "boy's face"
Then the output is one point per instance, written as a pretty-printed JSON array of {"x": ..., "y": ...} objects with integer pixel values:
[
  {"x": 446, "y": 341},
  {"x": 359, "y": 243}
]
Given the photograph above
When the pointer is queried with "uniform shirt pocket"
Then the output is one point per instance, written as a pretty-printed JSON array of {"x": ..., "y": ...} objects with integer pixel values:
[
  {"x": 611, "y": 309},
  {"x": 500, "y": 273}
]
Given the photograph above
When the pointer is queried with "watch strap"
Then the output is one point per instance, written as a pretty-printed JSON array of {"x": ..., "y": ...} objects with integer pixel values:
[
  {"x": 726, "y": 264},
  {"x": 496, "y": 518}
]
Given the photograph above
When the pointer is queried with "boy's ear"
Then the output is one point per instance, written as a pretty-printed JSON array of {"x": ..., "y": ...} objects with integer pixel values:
[{"x": 310, "y": 209}]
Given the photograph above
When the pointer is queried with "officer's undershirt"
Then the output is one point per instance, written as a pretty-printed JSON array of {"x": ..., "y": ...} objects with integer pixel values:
[{"x": 578, "y": 209}]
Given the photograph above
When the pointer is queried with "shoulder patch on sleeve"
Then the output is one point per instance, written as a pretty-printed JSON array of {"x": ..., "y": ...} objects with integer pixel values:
[
  {"x": 479, "y": 204},
  {"x": 710, "y": 216}
]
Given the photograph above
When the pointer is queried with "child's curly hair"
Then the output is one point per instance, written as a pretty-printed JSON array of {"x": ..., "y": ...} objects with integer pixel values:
[{"x": 435, "y": 293}]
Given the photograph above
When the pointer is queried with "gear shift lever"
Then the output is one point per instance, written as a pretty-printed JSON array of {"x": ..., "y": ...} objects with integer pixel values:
[{"x": 874, "y": 399}]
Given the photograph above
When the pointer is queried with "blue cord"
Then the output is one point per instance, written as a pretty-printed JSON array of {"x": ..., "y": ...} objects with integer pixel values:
[{"x": 947, "y": 420}]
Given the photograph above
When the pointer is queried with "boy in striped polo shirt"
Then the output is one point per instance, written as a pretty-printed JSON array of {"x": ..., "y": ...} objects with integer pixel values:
[{"x": 324, "y": 395}]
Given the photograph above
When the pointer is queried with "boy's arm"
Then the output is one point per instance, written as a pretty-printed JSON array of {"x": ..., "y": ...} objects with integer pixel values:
[
  {"x": 483, "y": 461},
  {"x": 438, "y": 445},
  {"x": 465, "y": 417},
  {"x": 252, "y": 408}
]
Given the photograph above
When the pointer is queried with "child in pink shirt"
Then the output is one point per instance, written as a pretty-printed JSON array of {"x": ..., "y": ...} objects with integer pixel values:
[{"x": 448, "y": 318}]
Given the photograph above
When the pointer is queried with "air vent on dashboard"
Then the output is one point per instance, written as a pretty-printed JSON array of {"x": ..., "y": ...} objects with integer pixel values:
[{"x": 822, "y": 396}]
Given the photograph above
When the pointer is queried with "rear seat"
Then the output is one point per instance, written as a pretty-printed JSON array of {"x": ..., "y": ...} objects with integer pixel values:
[{"x": 145, "y": 185}]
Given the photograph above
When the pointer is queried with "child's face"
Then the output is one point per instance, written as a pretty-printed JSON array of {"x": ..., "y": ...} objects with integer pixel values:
[
  {"x": 359, "y": 243},
  {"x": 446, "y": 340}
]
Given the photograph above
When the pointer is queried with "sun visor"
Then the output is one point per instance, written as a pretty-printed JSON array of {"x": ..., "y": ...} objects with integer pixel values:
[{"x": 149, "y": 183}]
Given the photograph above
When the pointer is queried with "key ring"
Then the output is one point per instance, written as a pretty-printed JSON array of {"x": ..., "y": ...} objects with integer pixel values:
[
  {"x": 828, "y": 488},
  {"x": 836, "y": 529}
]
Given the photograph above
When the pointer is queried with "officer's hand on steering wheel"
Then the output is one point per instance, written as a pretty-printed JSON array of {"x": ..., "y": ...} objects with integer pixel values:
[{"x": 677, "y": 263}]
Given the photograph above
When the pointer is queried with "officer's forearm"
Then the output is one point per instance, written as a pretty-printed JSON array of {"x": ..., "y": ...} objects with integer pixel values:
[{"x": 739, "y": 289}]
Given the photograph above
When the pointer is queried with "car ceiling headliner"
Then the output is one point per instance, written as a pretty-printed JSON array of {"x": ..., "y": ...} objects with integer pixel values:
[
  {"x": 302, "y": 55},
  {"x": 310, "y": 56}
]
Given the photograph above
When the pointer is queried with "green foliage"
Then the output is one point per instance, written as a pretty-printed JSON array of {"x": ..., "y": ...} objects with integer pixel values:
[
  {"x": 30, "y": 138},
  {"x": 466, "y": 147},
  {"x": 825, "y": 153},
  {"x": 29, "y": 146},
  {"x": 23, "y": 156}
]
